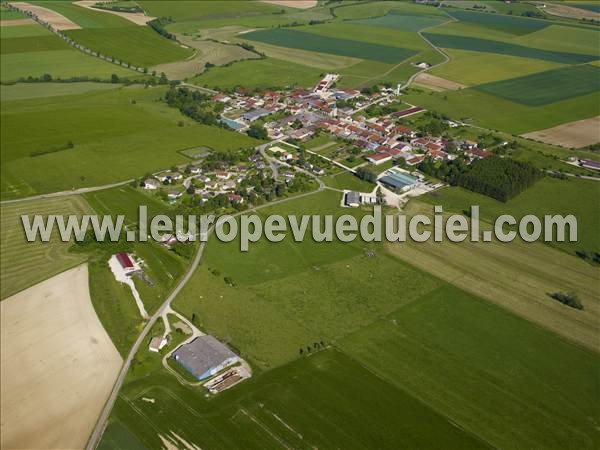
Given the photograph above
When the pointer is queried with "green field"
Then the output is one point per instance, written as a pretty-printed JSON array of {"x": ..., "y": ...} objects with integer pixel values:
[
  {"x": 22, "y": 263},
  {"x": 472, "y": 68},
  {"x": 509, "y": 24},
  {"x": 548, "y": 196},
  {"x": 182, "y": 11},
  {"x": 361, "y": 10},
  {"x": 347, "y": 180},
  {"x": 472, "y": 105},
  {"x": 117, "y": 135},
  {"x": 343, "y": 47},
  {"x": 113, "y": 301},
  {"x": 540, "y": 88},
  {"x": 85, "y": 17},
  {"x": 564, "y": 39},
  {"x": 31, "y": 44},
  {"x": 140, "y": 46},
  {"x": 505, "y": 48},
  {"x": 311, "y": 403},
  {"x": 7, "y": 14},
  {"x": 303, "y": 293},
  {"x": 23, "y": 31},
  {"x": 399, "y": 21},
  {"x": 262, "y": 73},
  {"x": 490, "y": 372},
  {"x": 23, "y": 91},
  {"x": 30, "y": 50}
]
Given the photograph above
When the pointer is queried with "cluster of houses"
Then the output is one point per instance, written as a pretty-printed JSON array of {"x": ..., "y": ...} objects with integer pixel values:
[
  {"x": 205, "y": 183},
  {"x": 381, "y": 138}
]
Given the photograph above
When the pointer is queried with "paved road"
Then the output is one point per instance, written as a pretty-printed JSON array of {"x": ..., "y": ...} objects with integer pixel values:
[
  {"x": 67, "y": 193},
  {"x": 200, "y": 88},
  {"x": 166, "y": 306}
]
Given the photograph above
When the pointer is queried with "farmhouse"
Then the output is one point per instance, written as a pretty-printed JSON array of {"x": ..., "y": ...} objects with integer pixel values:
[
  {"x": 352, "y": 199},
  {"x": 204, "y": 357},
  {"x": 126, "y": 262},
  {"x": 157, "y": 343},
  {"x": 151, "y": 184},
  {"x": 379, "y": 158}
]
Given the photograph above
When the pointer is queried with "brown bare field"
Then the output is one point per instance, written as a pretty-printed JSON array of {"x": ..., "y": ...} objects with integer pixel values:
[
  {"x": 137, "y": 18},
  {"x": 58, "y": 365},
  {"x": 299, "y": 4},
  {"x": 16, "y": 22},
  {"x": 573, "y": 134},
  {"x": 517, "y": 276},
  {"x": 569, "y": 11},
  {"x": 437, "y": 83},
  {"x": 206, "y": 51},
  {"x": 54, "y": 19}
]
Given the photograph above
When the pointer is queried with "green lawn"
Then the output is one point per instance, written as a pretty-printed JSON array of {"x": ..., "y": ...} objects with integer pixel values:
[
  {"x": 347, "y": 180},
  {"x": 22, "y": 263},
  {"x": 540, "y": 88},
  {"x": 117, "y": 135},
  {"x": 140, "y": 46},
  {"x": 31, "y": 44},
  {"x": 262, "y": 73},
  {"x": 344, "y": 47},
  {"x": 490, "y": 372}
]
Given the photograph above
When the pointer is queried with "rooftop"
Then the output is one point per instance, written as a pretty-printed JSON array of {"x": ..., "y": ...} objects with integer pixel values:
[{"x": 202, "y": 354}]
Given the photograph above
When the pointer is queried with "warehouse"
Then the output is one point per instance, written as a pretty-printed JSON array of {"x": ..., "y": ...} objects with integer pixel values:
[
  {"x": 398, "y": 181},
  {"x": 204, "y": 357}
]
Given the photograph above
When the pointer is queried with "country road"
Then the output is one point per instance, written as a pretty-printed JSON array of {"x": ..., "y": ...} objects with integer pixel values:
[{"x": 166, "y": 306}]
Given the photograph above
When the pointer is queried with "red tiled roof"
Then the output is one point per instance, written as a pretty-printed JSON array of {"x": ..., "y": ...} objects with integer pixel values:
[{"x": 124, "y": 260}]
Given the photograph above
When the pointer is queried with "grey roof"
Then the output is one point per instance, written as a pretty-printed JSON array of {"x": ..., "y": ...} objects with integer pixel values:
[
  {"x": 256, "y": 114},
  {"x": 202, "y": 354},
  {"x": 352, "y": 197}
]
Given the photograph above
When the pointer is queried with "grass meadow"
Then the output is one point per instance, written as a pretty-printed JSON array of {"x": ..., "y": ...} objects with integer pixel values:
[
  {"x": 140, "y": 46},
  {"x": 343, "y": 47},
  {"x": 390, "y": 325},
  {"x": 472, "y": 105},
  {"x": 261, "y": 73},
  {"x": 473, "y": 68},
  {"x": 116, "y": 135},
  {"x": 113, "y": 301},
  {"x": 516, "y": 25},
  {"x": 310, "y": 403},
  {"x": 505, "y": 48},
  {"x": 22, "y": 263},
  {"x": 492, "y": 373},
  {"x": 31, "y": 50},
  {"x": 539, "y": 89}
]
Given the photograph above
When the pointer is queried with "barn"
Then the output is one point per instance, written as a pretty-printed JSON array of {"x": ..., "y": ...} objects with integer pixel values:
[{"x": 204, "y": 357}]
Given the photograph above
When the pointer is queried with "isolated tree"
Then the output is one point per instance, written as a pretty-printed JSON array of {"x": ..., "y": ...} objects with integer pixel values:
[{"x": 114, "y": 78}]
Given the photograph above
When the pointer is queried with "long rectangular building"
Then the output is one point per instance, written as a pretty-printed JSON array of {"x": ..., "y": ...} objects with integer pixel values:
[{"x": 204, "y": 357}]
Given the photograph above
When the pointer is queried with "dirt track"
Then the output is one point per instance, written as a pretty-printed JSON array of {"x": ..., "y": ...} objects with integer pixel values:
[
  {"x": 56, "y": 20},
  {"x": 16, "y": 22},
  {"x": 137, "y": 18},
  {"x": 573, "y": 134},
  {"x": 58, "y": 364},
  {"x": 300, "y": 4},
  {"x": 432, "y": 81}
]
